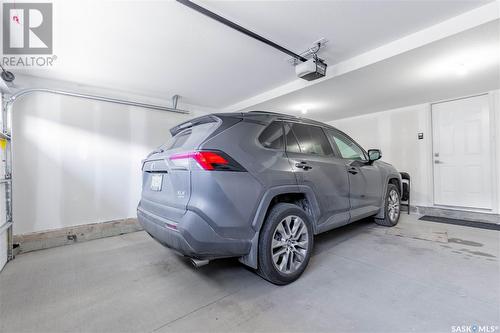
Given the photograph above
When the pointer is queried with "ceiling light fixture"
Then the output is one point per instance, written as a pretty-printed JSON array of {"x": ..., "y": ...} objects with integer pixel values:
[
  {"x": 306, "y": 108},
  {"x": 468, "y": 61},
  {"x": 303, "y": 108},
  {"x": 6, "y": 77}
]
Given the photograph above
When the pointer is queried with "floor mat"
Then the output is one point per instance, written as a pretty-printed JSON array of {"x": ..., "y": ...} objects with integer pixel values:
[{"x": 465, "y": 223}]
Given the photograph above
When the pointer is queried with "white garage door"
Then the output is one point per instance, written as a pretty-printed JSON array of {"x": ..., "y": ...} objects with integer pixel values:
[
  {"x": 3, "y": 209},
  {"x": 3, "y": 227},
  {"x": 3, "y": 248},
  {"x": 462, "y": 154}
]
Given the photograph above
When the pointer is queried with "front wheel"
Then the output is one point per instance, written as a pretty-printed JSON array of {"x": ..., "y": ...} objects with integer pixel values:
[
  {"x": 285, "y": 244},
  {"x": 392, "y": 207}
]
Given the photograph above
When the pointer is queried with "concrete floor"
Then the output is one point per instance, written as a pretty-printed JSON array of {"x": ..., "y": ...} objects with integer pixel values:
[{"x": 417, "y": 277}]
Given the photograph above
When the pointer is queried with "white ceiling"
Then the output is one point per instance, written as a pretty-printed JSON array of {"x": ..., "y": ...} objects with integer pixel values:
[
  {"x": 161, "y": 48},
  {"x": 352, "y": 27},
  {"x": 461, "y": 65}
]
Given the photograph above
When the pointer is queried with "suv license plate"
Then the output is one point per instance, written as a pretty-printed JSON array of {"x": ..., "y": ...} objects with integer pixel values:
[{"x": 156, "y": 182}]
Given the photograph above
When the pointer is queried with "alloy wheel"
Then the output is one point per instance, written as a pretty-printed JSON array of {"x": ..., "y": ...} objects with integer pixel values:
[
  {"x": 393, "y": 205},
  {"x": 290, "y": 244}
]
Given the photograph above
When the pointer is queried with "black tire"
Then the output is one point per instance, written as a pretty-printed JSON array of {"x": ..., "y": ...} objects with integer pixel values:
[
  {"x": 266, "y": 266},
  {"x": 387, "y": 221}
]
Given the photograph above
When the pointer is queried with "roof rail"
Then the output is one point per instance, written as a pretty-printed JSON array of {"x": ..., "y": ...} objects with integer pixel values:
[{"x": 273, "y": 113}]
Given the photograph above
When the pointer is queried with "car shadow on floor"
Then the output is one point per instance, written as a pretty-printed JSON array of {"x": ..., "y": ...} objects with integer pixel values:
[
  {"x": 322, "y": 243},
  {"x": 332, "y": 238}
]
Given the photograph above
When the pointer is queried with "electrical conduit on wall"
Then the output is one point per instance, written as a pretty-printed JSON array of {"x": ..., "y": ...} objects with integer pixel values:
[{"x": 78, "y": 161}]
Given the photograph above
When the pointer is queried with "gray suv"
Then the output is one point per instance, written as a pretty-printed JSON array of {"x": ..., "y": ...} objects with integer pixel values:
[{"x": 259, "y": 186}]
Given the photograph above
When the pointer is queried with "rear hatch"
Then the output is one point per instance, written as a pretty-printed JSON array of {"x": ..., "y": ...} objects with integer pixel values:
[{"x": 166, "y": 182}]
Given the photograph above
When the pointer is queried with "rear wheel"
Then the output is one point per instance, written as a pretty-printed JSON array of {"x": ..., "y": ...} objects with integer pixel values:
[
  {"x": 392, "y": 207},
  {"x": 285, "y": 244}
]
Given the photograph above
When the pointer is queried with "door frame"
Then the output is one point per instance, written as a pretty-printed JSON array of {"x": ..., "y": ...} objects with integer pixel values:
[{"x": 493, "y": 107}]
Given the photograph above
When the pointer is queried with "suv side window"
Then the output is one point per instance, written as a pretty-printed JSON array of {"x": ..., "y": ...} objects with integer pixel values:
[
  {"x": 307, "y": 139},
  {"x": 272, "y": 136},
  {"x": 292, "y": 145},
  {"x": 348, "y": 149}
]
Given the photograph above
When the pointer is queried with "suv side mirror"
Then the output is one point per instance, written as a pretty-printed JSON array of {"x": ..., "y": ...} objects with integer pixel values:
[{"x": 374, "y": 154}]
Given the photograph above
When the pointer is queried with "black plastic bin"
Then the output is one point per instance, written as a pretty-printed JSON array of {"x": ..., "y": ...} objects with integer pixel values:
[{"x": 405, "y": 196}]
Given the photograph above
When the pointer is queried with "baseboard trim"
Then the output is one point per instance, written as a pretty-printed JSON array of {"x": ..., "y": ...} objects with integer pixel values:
[
  {"x": 458, "y": 214},
  {"x": 463, "y": 223},
  {"x": 65, "y": 236}
]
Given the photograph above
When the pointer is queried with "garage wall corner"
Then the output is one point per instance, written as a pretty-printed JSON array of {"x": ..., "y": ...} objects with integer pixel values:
[{"x": 78, "y": 161}]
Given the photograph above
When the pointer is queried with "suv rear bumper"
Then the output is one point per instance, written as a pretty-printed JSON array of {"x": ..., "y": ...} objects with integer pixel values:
[{"x": 191, "y": 236}]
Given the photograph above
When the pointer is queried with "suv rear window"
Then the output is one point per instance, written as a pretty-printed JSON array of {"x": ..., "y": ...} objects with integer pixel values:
[
  {"x": 272, "y": 136},
  {"x": 180, "y": 139},
  {"x": 311, "y": 140},
  {"x": 191, "y": 137}
]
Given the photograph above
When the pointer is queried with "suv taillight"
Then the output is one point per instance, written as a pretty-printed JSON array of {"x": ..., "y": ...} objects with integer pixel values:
[{"x": 210, "y": 160}]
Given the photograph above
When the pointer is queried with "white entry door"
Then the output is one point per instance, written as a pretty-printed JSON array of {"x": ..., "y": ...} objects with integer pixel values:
[{"x": 462, "y": 154}]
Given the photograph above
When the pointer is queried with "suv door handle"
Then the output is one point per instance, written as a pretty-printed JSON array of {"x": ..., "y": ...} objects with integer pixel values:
[
  {"x": 303, "y": 165},
  {"x": 352, "y": 171}
]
